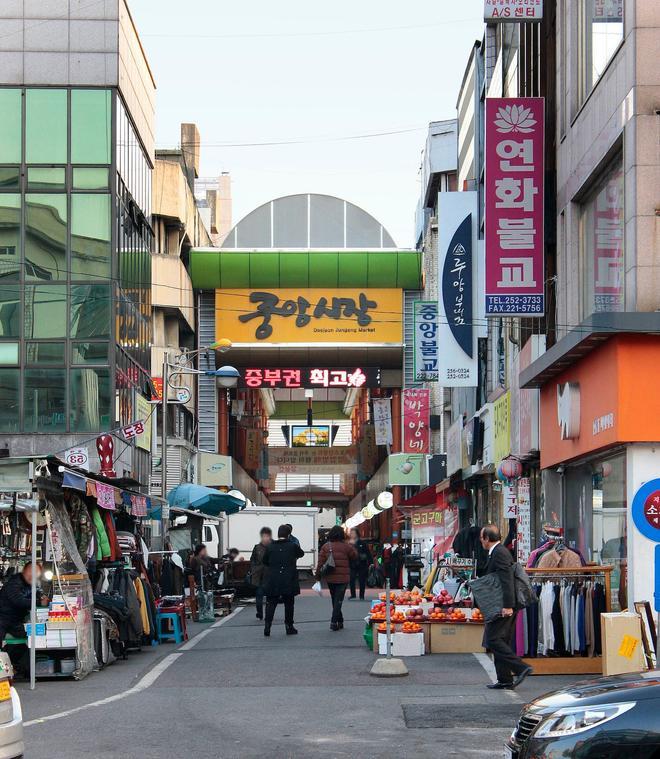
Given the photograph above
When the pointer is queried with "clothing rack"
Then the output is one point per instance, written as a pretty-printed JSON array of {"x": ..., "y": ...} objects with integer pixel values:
[{"x": 570, "y": 665}]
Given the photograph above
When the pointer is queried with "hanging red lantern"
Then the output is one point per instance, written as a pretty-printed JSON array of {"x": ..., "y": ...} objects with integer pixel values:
[{"x": 511, "y": 468}]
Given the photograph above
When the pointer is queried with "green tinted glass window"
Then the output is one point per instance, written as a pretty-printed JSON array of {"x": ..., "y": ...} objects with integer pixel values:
[
  {"x": 90, "y": 311},
  {"x": 10, "y": 237},
  {"x": 9, "y": 400},
  {"x": 90, "y": 179},
  {"x": 45, "y": 126},
  {"x": 89, "y": 353},
  {"x": 45, "y": 353},
  {"x": 90, "y": 236},
  {"x": 90, "y": 126},
  {"x": 45, "y": 311},
  {"x": 10, "y": 311},
  {"x": 44, "y": 400},
  {"x": 45, "y": 236},
  {"x": 46, "y": 179},
  {"x": 10, "y": 178},
  {"x": 90, "y": 399},
  {"x": 8, "y": 355},
  {"x": 10, "y": 126}
]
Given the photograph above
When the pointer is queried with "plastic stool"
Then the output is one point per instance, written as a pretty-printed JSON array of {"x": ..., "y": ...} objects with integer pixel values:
[{"x": 177, "y": 634}]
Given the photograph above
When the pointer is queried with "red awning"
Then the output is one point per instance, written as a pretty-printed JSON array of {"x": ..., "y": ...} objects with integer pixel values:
[{"x": 426, "y": 497}]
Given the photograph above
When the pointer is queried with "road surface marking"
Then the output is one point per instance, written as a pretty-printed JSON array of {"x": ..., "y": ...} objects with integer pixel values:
[
  {"x": 487, "y": 663},
  {"x": 145, "y": 682}
]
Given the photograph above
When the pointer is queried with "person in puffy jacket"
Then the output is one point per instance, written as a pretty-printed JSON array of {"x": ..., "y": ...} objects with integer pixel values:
[{"x": 339, "y": 577}]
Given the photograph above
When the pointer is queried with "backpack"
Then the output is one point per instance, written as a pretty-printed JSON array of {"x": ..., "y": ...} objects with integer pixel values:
[{"x": 525, "y": 594}]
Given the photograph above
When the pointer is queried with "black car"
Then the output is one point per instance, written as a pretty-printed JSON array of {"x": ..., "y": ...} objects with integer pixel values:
[{"x": 607, "y": 718}]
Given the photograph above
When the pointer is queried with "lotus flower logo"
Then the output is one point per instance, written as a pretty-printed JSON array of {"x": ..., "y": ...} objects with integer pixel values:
[{"x": 514, "y": 118}]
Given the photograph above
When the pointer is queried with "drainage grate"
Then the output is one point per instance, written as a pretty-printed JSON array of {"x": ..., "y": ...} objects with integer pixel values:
[{"x": 420, "y": 715}]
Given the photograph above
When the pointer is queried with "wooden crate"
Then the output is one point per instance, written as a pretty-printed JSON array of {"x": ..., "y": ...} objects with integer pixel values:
[{"x": 453, "y": 638}]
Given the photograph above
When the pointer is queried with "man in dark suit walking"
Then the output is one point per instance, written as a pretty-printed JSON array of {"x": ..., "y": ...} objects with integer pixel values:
[{"x": 511, "y": 670}]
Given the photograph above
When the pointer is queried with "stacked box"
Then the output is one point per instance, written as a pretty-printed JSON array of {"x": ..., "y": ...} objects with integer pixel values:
[{"x": 408, "y": 644}]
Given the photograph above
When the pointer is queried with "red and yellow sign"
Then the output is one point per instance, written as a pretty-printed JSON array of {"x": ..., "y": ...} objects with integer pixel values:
[{"x": 308, "y": 316}]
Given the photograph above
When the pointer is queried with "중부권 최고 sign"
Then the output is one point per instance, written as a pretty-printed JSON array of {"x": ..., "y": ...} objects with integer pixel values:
[
  {"x": 308, "y": 316},
  {"x": 310, "y": 377}
]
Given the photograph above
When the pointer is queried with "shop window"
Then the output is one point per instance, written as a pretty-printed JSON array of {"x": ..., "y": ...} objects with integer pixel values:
[
  {"x": 90, "y": 126},
  {"x": 90, "y": 400},
  {"x": 9, "y": 400},
  {"x": 45, "y": 126},
  {"x": 10, "y": 237},
  {"x": 90, "y": 311},
  {"x": 600, "y": 25},
  {"x": 601, "y": 240},
  {"x": 10, "y": 178},
  {"x": 90, "y": 236},
  {"x": 90, "y": 179},
  {"x": 89, "y": 353},
  {"x": 10, "y": 311},
  {"x": 46, "y": 178},
  {"x": 40, "y": 354},
  {"x": 9, "y": 354},
  {"x": 45, "y": 311},
  {"x": 45, "y": 237},
  {"x": 11, "y": 107},
  {"x": 44, "y": 400}
]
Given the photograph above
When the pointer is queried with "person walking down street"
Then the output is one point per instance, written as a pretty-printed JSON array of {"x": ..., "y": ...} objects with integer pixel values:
[
  {"x": 257, "y": 568},
  {"x": 359, "y": 567},
  {"x": 339, "y": 577},
  {"x": 281, "y": 581},
  {"x": 511, "y": 670}
]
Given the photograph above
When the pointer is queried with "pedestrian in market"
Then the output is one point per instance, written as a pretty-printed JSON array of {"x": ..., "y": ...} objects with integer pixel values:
[
  {"x": 281, "y": 582},
  {"x": 292, "y": 537},
  {"x": 258, "y": 569},
  {"x": 511, "y": 670},
  {"x": 359, "y": 567},
  {"x": 338, "y": 578}
]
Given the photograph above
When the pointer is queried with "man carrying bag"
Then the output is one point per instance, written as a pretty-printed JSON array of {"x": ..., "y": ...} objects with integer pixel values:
[{"x": 499, "y": 595}]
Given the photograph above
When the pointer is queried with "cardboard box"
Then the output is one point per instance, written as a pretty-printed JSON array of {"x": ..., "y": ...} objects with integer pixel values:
[
  {"x": 377, "y": 635},
  {"x": 623, "y": 650},
  {"x": 455, "y": 638},
  {"x": 408, "y": 644},
  {"x": 39, "y": 642}
]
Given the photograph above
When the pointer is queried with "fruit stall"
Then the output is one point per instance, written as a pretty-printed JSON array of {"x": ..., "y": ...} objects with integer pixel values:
[{"x": 425, "y": 624}]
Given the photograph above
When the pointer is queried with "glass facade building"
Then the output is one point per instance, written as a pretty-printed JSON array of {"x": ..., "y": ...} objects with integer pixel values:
[{"x": 75, "y": 270}]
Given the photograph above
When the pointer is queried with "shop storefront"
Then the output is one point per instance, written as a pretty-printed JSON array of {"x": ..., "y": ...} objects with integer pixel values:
[{"x": 599, "y": 426}]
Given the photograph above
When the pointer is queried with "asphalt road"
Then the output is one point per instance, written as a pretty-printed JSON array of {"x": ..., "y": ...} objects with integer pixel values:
[{"x": 230, "y": 692}]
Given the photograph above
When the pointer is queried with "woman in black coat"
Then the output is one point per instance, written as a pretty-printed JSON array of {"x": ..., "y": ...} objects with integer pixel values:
[{"x": 282, "y": 582}]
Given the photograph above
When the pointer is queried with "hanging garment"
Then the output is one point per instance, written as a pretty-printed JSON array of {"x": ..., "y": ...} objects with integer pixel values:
[
  {"x": 144, "y": 613},
  {"x": 557, "y": 622},
  {"x": 115, "y": 548},
  {"x": 81, "y": 523},
  {"x": 103, "y": 552}
]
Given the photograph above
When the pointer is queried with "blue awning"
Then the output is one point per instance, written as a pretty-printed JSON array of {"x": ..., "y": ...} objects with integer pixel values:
[{"x": 205, "y": 500}]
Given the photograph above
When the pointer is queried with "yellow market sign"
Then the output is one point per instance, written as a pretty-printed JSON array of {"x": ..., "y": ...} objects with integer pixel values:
[
  {"x": 308, "y": 316},
  {"x": 502, "y": 428}
]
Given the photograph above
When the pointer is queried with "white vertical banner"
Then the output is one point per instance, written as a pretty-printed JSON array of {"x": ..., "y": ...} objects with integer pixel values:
[
  {"x": 524, "y": 532},
  {"x": 383, "y": 421},
  {"x": 458, "y": 259}
]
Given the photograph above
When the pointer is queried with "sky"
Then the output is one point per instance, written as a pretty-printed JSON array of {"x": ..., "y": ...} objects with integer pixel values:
[{"x": 315, "y": 73}]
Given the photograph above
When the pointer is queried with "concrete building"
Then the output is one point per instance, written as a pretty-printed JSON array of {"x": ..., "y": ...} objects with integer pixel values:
[{"x": 76, "y": 159}]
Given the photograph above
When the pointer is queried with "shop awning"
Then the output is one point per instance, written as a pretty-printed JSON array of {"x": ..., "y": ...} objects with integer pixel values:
[
  {"x": 426, "y": 497},
  {"x": 206, "y": 500}
]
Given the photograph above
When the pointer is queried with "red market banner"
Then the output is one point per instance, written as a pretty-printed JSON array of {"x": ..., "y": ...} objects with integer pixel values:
[
  {"x": 514, "y": 198},
  {"x": 416, "y": 420}
]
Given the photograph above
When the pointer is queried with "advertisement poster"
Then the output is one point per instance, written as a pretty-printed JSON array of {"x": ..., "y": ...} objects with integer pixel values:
[
  {"x": 524, "y": 532},
  {"x": 426, "y": 327},
  {"x": 303, "y": 436},
  {"x": 416, "y": 420},
  {"x": 253, "y": 439},
  {"x": 383, "y": 421},
  {"x": 435, "y": 527},
  {"x": 457, "y": 244},
  {"x": 501, "y": 428},
  {"x": 337, "y": 460},
  {"x": 514, "y": 198},
  {"x": 143, "y": 411}
]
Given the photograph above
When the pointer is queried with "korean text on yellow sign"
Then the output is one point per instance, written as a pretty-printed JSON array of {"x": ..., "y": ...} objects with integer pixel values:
[{"x": 315, "y": 315}]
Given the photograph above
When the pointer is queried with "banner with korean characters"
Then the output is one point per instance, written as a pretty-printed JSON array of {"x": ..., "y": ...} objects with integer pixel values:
[
  {"x": 383, "y": 420},
  {"x": 514, "y": 198},
  {"x": 457, "y": 245},
  {"x": 513, "y": 10},
  {"x": 426, "y": 324},
  {"x": 335, "y": 460},
  {"x": 416, "y": 420},
  {"x": 524, "y": 521}
]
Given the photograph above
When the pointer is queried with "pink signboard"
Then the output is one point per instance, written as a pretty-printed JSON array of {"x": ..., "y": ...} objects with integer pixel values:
[
  {"x": 514, "y": 206},
  {"x": 416, "y": 420}
]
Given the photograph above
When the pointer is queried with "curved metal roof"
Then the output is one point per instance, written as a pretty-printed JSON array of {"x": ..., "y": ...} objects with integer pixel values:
[{"x": 308, "y": 220}]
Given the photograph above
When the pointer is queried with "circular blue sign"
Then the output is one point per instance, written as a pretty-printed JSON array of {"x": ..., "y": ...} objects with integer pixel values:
[{"x": 646, "y": 510}]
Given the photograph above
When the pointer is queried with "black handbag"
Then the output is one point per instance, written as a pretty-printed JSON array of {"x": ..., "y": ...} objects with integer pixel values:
[{"x": 329, "y": 564}]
